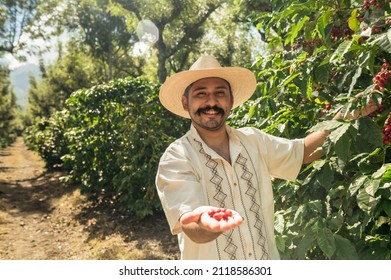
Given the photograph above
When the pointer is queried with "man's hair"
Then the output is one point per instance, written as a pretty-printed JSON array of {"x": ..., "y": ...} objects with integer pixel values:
[{"x": 187, "y": 90}]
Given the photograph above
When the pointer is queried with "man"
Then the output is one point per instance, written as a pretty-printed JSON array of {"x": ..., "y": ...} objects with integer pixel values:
[{"x": 214, "y": 167}]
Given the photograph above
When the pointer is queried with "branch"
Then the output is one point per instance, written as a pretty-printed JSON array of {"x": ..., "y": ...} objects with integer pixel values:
[{"x": 192, "y": 30}]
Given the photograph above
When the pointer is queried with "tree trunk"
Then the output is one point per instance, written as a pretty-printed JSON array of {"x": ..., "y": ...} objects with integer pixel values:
[{"x": 162, "y": 57}]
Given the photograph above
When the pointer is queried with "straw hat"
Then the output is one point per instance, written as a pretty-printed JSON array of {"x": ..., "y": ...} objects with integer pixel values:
[{"x": 242, "y": 83}]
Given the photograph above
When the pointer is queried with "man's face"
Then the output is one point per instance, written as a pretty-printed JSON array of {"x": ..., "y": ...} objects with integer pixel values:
[{"x": 209, "y": 103}]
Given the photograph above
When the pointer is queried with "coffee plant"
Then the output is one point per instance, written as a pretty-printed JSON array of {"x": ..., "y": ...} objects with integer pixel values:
[
  {"x": 340, "y": 205},
  {"x": 47, "y": 137},
  {"x": 109, "y": 140}
]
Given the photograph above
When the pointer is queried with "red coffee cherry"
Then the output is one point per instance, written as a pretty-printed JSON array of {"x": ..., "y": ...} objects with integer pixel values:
[{"x": 220, "y": 214}]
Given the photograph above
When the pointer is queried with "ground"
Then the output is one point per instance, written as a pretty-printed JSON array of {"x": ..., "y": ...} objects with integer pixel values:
[{"x": 43, "y": 219}]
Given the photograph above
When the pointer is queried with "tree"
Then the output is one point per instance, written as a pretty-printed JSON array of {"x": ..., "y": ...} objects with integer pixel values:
[
  {"x": 15, "y": 18},
  {"x": 181, "y": 26},
  {"x": 10, "y": 127},
  {"x": 90, "y": 23},
  {"x": 72, "y": 71}
]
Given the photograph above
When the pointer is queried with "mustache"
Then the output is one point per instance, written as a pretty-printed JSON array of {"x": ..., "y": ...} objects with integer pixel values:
[{"x": 207, "y": 108}]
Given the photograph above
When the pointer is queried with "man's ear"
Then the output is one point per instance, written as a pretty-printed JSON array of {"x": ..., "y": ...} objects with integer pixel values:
[{"x": 184, "y": 103}]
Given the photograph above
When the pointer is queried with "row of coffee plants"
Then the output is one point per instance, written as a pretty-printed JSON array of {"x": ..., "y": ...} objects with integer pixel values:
[{"x": 109, "y": 140}]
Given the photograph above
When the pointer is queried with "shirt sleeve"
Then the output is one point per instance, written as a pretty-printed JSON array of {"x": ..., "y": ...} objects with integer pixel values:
[
  {"x": 178, "y": 186},
  {"x": 283, "y": 157}
]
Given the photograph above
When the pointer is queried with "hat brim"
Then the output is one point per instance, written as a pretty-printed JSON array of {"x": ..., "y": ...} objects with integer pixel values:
[{"x": 241, "y": 80}]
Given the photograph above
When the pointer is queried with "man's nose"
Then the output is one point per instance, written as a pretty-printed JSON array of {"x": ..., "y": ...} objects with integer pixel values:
[{"x": 212, "y": 100}]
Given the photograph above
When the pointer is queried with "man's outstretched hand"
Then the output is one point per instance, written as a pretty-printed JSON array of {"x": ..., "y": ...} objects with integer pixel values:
[{"x": 212, "y": 219}]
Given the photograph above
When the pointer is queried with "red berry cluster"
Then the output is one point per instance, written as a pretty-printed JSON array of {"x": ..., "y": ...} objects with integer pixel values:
[
  {"x": 387, "y": 131},
  {"x": 372, "y": 3},
  {"x": 381, "y": 79},
  {"x": 341, "y": 32},
  {"x": 378, "y": 27},
  {"x": 220, "y": 214},
  {"x": 308, "y": 45}
]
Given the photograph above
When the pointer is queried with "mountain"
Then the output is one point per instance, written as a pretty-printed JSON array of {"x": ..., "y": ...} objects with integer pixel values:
[{"x": 20, "y": 81}]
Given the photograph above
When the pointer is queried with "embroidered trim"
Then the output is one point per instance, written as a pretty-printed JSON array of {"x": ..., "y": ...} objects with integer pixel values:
[
  {"x": 230, "y": 248},
  {"x": 251, "y": 192}
]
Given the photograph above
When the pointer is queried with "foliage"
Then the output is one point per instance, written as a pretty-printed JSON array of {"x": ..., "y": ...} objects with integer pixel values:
[
  {"x": 321, "y": 55},
  {"x": 184, "y": 30},
  {"x": 47, "y": 137},
  {"x": 73, "y": 70},
  {"x": 15, "y": 18},
  {"x": 178, "y": 33},
  {"x": 10, "y": 125},
  {"x": 109, "y": 139}
]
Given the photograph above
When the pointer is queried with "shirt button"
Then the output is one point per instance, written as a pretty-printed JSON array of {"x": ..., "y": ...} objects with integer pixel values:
[
  {"x": 250, "y": 255},
  {"x": 235, "y": 184}
]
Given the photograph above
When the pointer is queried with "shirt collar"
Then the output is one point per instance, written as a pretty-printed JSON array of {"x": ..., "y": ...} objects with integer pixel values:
[{"x": 234, "y": 142}]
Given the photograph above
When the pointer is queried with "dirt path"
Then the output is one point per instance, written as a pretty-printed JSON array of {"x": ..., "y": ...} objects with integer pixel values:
[{"x": 40, "y": 218}]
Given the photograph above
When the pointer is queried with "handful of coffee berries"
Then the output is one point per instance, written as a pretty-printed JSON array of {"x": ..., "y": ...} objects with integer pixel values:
[{"x": 220, "y": 214}]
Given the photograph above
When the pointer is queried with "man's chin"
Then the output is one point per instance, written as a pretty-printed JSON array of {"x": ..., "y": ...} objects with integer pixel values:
[{"x": 211, "y": 125}]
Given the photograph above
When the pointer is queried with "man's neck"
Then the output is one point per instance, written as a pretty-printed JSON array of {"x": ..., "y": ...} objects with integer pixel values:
[
  {"x": 217, "y": 140},
  {"x": 212, "y": 137}
]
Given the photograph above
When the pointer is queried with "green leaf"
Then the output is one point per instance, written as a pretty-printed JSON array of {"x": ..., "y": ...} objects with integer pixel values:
[
  {"x": 279, "y": 223},
  {"x": 289, "y": 79},
  {"x": 280, "y": 242},
  {"x": 387, "y": 175},
  {"x": 292, "y": 9},
  {"x": 367, "y": 59},
  {"x": 339, "y": 53},
  {"x": 366, "y": 166},
  {"x": 321, "y": 74},
  {"x": 369, "y": 135},
  {"x": 383, "y": 41},
  {"x": 318, "y": 164},
  {"x": 316, "y": 206},
  {"x": 353, "y": 22},
  {"x": 387, "y": 207},
  {"x": 354, "y": 80},
  {"x": 336, "y": 221},
  {"x": 295, "y": 29},
  {"x": 370, "y": 164},
  {"x": 345, "y": 249},
  {"x": 326, "y": 125},
  {"x": 323, "y": 22},
  {"x": 372, "y": 187},
  {"x": 356, "y": 184},
  {"x": 366, "y": 202},
  {"x": 339, "y": 132},
  {"x": 304, "y": 245},
  {"x": 251, "y": 111},
  {"x": 326, "y": 241},
  {"x": 299, "y": 214},
  {"x": 326, "y": 176},
  {"x": 380, "y": 172},
  {"x": 342, "y": 147}
]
